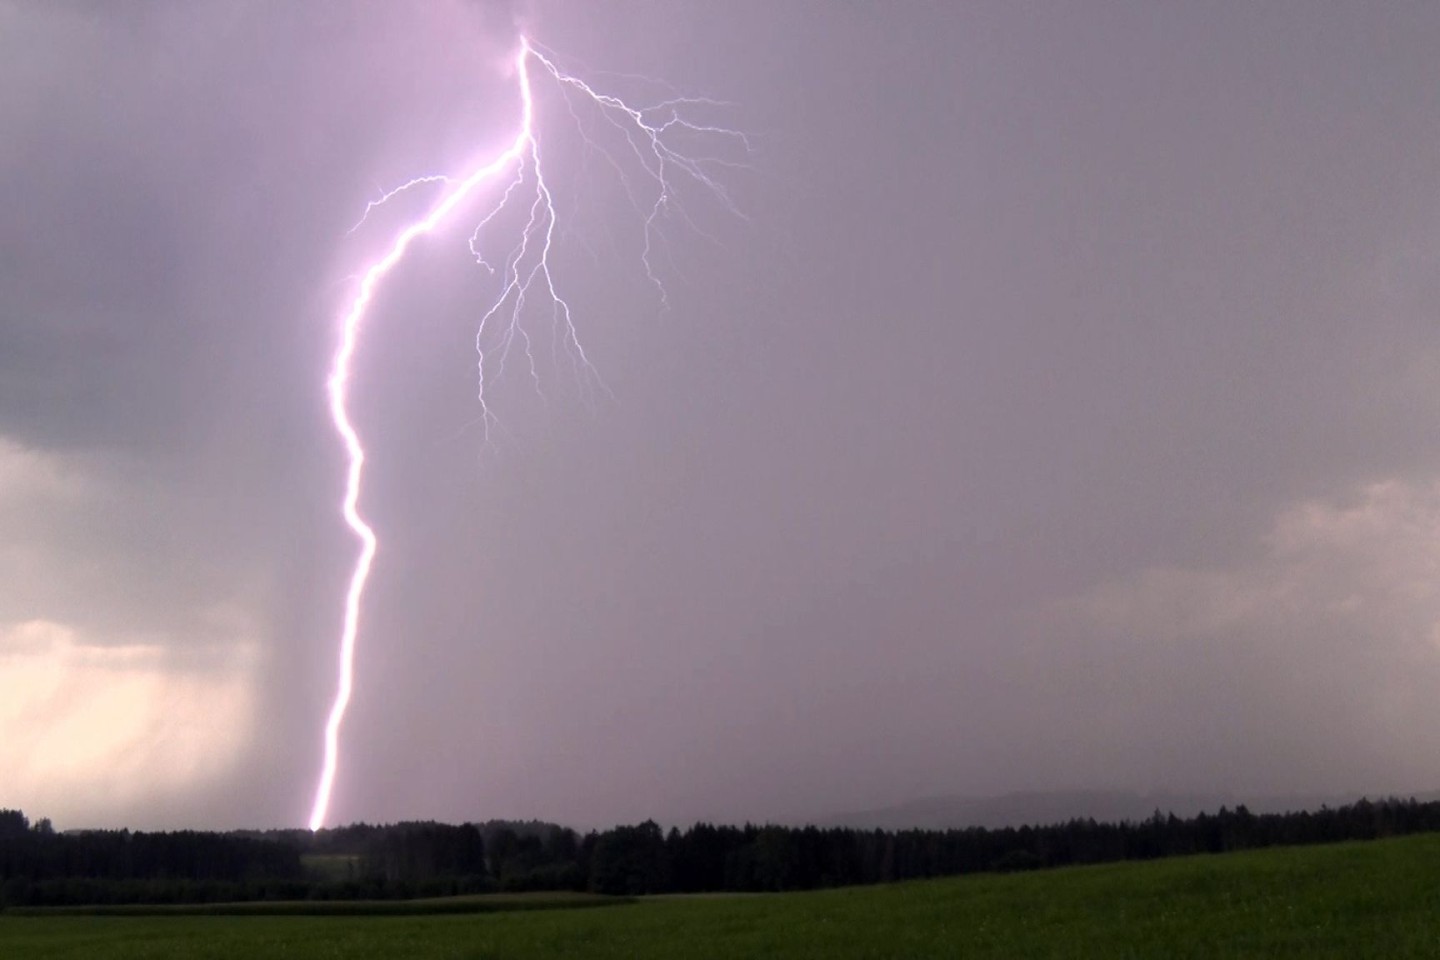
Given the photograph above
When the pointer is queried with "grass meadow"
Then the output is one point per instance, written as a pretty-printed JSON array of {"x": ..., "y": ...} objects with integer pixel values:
[{"x": 1353, "y": 900}]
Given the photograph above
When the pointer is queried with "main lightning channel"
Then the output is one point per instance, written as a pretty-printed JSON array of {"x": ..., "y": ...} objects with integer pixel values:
[
  {"x": 337, "y": 386},
  {"x": 523, "y": 273}
]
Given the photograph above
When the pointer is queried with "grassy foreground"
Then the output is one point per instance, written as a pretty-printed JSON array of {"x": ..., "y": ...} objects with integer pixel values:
[{"x": 1378, "y": 899}]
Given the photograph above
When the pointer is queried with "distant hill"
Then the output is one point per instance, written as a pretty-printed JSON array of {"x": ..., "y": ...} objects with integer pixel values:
[{"x": 1112, "y": 806}]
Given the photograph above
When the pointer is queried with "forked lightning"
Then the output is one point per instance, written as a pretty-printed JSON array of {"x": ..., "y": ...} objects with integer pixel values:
[{"x": 512, "y": 176}]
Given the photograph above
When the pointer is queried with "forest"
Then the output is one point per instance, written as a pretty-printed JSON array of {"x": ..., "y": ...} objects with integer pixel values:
[{"x": 40, "y": 866}]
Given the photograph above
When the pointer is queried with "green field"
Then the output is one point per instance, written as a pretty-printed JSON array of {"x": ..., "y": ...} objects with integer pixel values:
[{"x": 1377, "y": 899}]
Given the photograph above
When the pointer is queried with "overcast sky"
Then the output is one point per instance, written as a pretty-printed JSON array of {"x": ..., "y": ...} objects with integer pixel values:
[{"x": 1061, "y": 412}]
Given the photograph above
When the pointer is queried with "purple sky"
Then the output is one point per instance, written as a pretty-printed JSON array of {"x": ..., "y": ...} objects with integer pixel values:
[{"x": 1063, "y": 414}]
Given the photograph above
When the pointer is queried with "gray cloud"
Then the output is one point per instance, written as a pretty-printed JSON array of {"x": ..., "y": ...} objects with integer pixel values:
[
  {"x": 943, "y": 472},
  {"x": 1308, "y": 666}
]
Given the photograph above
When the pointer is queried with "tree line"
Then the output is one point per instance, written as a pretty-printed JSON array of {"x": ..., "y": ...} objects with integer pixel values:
[{"x": 40, "y": 866}]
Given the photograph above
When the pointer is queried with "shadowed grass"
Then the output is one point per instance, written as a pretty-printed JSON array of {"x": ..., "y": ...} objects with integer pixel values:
[
  {"x": 478, "y": 903},
  {"x": 1354, "y": 900}
]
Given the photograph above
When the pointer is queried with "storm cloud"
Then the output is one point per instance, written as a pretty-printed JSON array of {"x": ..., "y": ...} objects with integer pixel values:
[{"x": 1059, "y": 414}]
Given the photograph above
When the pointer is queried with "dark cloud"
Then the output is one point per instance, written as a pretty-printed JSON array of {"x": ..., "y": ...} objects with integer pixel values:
[{"x": 949, "y": 469}]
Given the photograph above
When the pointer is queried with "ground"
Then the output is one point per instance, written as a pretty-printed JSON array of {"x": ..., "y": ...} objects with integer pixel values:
[{"x": 1353, "y": 900}]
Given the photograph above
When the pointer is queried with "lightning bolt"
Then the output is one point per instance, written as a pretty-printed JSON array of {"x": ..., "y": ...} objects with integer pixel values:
[{"x": 524, "y": 275}]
